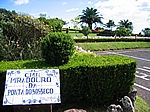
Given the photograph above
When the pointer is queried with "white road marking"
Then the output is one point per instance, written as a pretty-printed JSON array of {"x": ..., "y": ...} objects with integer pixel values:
[
  {"x": 143, "y": 74},
  {"x": 143, "y": 69},
  {"x": 140, "y": 86},
  {"x": 146, "y": 67},
  {"x": 142, "y": 77},
  {"x": 128, "y": 51},
  {"x": 132, "y": 56}
]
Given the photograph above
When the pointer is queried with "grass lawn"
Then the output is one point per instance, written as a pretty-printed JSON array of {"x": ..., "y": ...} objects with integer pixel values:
[
  {"x": 141, "y": 106},
  {"x": 73, "y": 34},
  {"x": 102, "y": 46}
]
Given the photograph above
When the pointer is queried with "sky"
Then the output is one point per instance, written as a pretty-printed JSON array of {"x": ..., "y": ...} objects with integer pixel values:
[{"x": 136, "y": 11}]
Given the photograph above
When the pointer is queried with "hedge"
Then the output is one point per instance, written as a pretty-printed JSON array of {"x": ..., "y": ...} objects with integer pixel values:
[
  {"x": 113, "y": 40},
  {"x": 97, "y": 80}
]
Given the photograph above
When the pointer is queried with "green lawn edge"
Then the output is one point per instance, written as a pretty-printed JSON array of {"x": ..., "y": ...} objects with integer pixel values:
[
  {"x": 141, "y": 105},
  {"x": 104, "y": 46}
]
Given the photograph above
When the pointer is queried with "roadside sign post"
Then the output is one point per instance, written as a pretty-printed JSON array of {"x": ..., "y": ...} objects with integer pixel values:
[{"x": 32, "y": 86}]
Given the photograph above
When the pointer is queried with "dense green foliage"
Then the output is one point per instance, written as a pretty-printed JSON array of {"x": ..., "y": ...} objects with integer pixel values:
[
  {"x": 146, "y": 32},
  {"x": 54, "y": 23},
  {"x": 20, "y": 36},
  {"x": 86, "y": 30},
  {"x": 97, "y": 79},
  {"x": 57, "y": 48},
  {"x": 106, "y": 33},
  {"x": 122, "y": 31}
]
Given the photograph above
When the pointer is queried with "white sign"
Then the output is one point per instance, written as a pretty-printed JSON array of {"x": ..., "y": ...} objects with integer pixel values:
[{"x": 32, "y": 86}]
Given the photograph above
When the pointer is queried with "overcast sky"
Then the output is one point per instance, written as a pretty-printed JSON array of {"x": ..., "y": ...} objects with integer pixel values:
[{"x": 137, "y": 11}]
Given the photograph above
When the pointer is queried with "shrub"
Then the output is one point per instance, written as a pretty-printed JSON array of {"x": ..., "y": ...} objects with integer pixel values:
[
  {"x": 21, "y": 35},
  {"x": 122, "y": 31},
  {"x": 57, "y": 48},
  {"x": 106, "y": 33},
  {"x": 86, "y": 31},
  {"x": 55, "y": 23},
  {"x": 97, "y": 80}
]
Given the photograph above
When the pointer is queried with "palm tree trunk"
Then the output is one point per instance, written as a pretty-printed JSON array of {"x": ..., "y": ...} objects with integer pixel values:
[{"x": 90, "y": 25}]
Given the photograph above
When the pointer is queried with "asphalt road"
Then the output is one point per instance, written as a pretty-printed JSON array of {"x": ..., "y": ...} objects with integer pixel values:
[{"x": 142, "y": 83}]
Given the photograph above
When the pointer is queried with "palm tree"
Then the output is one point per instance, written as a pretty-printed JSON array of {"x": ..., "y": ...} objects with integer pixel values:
[
  {"x": 90, "y": 16},
  {"x": 110, "y": 24},
  {"x": 125, "y": 23}
]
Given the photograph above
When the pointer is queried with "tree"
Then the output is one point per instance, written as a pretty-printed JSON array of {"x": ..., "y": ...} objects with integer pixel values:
[
  {"x": 75, "y": 22},
  {"x": 90, "y": 16},
  {"x": 86, "y": 30},
  {"x": 122, "y": 31},
  {"x": 125, "y": 23},
  {"x": 42, "y": 18},
  {"x": 56, "y": 24},
  {"x": 64, "y": 22},
  {"x": 146, "y": 31},
  {"x": 110, "y": 24}
]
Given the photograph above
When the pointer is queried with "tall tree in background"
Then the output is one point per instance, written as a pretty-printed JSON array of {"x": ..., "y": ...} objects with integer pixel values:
[
  {"x": 110, "y": 24},
  {"x": 122, "y": 31},
  {"x": 42, "y": 17},
  {"x": 90, "y": 16},
  {"x": 146, "y": 31},
  {"x": 56, "y": 24},
  {"x": 127, "y": 24}
]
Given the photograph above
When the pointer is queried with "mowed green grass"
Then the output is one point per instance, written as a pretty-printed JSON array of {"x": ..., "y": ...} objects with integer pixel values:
[
  {"x": 141, "y": 105},
  {"x": 79, "y": 35},
  {"x": 102, "y": 46}
]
